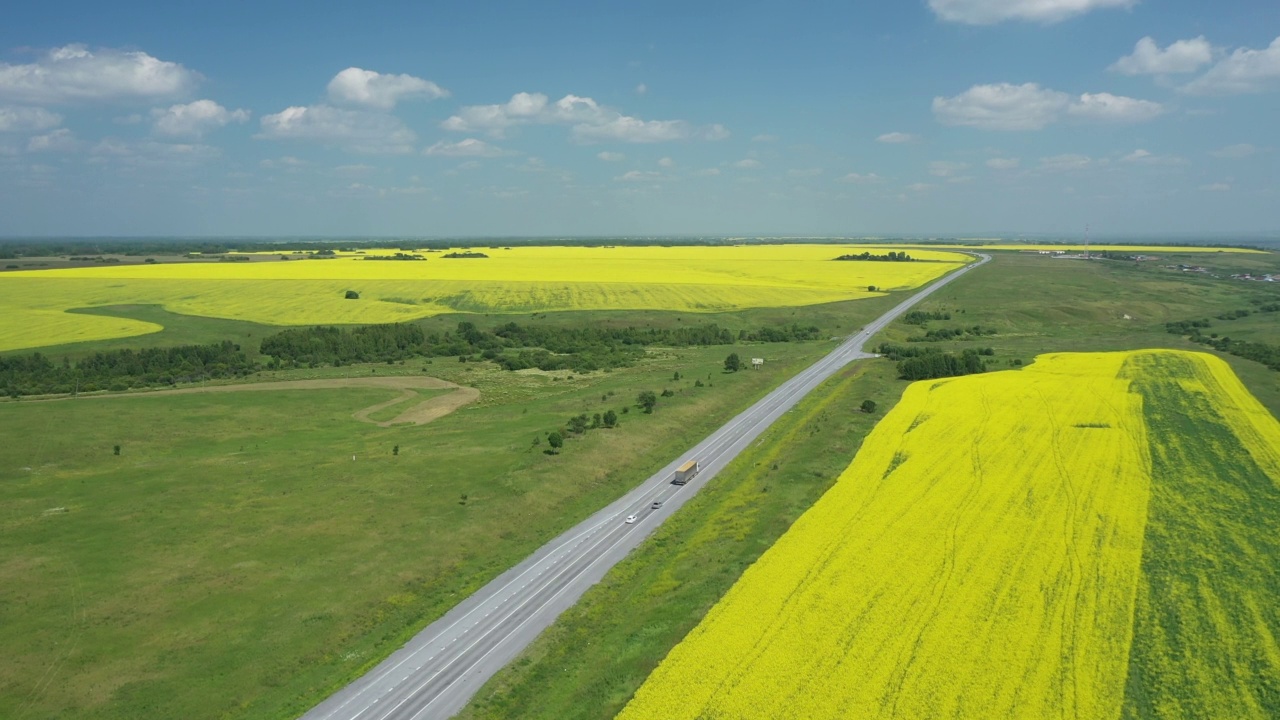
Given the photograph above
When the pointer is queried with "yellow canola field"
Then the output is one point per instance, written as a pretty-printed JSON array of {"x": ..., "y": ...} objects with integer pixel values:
[
  {"x": 523, "y": 279},
  {"x": 980, "y": 559},
  {"x": 1099, "y": 248}
]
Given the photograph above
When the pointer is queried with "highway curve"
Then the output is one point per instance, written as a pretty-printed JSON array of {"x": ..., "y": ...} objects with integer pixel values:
[{"x": 437, "y": 672}]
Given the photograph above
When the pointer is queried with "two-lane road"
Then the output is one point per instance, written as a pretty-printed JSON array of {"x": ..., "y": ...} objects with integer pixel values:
[{"x": 437, "y": 672}]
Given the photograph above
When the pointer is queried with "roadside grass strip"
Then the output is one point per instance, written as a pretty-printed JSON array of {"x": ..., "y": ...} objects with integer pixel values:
[{"x": 983, "y": 556}]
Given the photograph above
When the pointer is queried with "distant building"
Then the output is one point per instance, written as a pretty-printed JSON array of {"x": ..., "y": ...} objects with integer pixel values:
[{"x": 756, "y": 363}]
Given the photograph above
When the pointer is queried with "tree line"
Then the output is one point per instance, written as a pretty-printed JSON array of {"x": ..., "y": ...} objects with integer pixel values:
[
  {"x": 118, "y": 370},
  {"x": 511, "y": 346},
  {"x": 891, "y": 256},
  {"x": 926, "y": 363},
  {"x": 1266, "y": 353}
]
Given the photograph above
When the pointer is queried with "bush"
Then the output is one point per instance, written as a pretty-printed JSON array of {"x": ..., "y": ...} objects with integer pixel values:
[{"x": 352, "y": 295}]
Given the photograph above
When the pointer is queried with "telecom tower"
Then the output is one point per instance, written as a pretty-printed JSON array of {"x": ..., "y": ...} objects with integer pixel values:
[{"x": 1086, "y": 242}]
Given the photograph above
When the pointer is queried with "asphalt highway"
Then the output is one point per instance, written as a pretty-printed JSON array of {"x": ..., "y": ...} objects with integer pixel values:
[{"x": 437, "y": 672}]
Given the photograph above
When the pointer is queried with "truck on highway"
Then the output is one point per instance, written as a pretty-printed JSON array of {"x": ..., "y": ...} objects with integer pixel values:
[{"x": 685, "y": 472}]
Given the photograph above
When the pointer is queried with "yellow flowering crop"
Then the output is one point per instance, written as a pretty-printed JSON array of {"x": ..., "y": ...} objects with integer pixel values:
[
  {"x": 987, "y": 555},
  {"x": 522, "y": 279}
]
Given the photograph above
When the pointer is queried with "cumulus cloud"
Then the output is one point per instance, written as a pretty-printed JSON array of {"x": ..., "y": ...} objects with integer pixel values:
[
  {"x": 666, "y": 162},
  {"x": 470, "y": 147},
  {"x": 1183, "y": 56},
  {"x": 641, "y": 89},
  {"x": 27, "y": 119},
  {"x": 747, "y": 164},
  {"x": 355, "y": 130},
  {"x": 356, "y": 86},
  {"x": 1243, "y": 71},
  {"x": 195, "y": 119},
  {"x": 896, "y": 138},
  {"x": 708, "y": 172},
  {"x": 1216, "y": 187},
  {"x": 73, "y": 74},
  {"x": 590, "y": 122},
  {"x": 804, "y": 172},
  {"x": 1028, "y": 106},
  {"x": 989, "y": 12},
  {"x": 1002, "y": 107},
  {"x": 1114, "y": 108},
  {"x": 611, "y": 156},
  {"x": 60, "y": 140},
  {"x": 1003, "y": 163}
]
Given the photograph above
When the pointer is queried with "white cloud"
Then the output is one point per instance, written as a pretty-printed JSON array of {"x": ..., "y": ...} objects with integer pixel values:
[
  {"x": 74, "y": 74},
  {"x": 666, "y": 162},
  {"x": 1070, "y": 161},
  {"x": 641, "y": 89},
  {"x": 1243, "y": 71},
  {"x": 1183, "y": 56},
  {"x": 764, "y": 138},
  {"x": 355, "y": 130},
  {"x": 1145, "y": 157},
  {"x": 1216, "y": 187},
  {"x": 988, "y": 12},
  {"x": 708, "y": 172},
  {"x": 1114, "y": 108},
  {"x": 27, "y": 119},
  {"x": 1003, "y": 163},
  {"x": 641, "y": 176},
  {"x": 469, "y": 147},
  {"x": 611, "y": 156},
  {"x": 60, "y": 140},
  {"x": 747, "y": 164},
  {"x": 1002, "y": 107},
  {"x": 195, "y": 119},
  {"x": 287, "y": 162},
  {"x": 1241, "y": 150},
  {"x": 896, "y": 138},
  {"x": 919, "y": 187},
  {"x": 355, "y": 86},
  {"x": 590, "y": 121},
  {"x": 1030, "y": 107},
  {"x": 943, "y": 168},
  {"x": 632, "y": 130},
  {"x": 804, "y": 172},
  {"x": 859, "y": 178}
]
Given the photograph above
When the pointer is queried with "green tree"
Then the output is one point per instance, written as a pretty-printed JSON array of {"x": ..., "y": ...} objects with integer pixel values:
[
  {"x": 647, "y": 400},
  {"x": 578, "y": 424},
  {"x": 868, "y": 406},
  {"x": 596, "y": 421},
  {"x": 352, "y": 295},
  {"x": 733, "y": 363},
  {"x": 556, "y": 442},
  {"x": 395, "y": 450},
  {"x": 610, "y": 419}
]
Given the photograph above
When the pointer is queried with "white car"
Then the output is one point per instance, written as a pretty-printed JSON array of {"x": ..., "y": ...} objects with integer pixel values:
[{"x": 631, "y": 519}]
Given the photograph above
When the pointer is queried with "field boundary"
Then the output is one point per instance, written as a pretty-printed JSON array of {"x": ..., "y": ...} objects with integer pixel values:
[{"x": 432, "y": 408}]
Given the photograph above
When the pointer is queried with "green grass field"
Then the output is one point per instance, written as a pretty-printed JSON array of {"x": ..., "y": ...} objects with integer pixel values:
[{"x": 234, "y": 561}]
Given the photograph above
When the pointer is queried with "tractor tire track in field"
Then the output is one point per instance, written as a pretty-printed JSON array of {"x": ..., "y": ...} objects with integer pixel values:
[{"x": 432, "y": 408}]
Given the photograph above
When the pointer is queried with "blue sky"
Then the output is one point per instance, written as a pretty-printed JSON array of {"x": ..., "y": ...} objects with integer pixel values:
[{"x": 933, "y": 117}]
